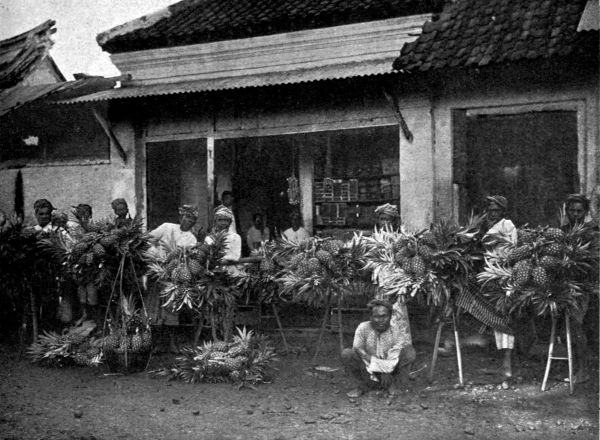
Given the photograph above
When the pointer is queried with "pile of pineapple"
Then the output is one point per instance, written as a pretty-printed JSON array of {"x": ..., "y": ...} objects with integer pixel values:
[
  {"x": 413, "y": 253},
  {"x": 247, "y": 359},
  {"x": 537, "y": 257},
  {"x": 185, "y": 267},
  {"x": 75, "y": 345},
  {"x": 130, "y": 331},
  {"x": 316, "y": 258}
]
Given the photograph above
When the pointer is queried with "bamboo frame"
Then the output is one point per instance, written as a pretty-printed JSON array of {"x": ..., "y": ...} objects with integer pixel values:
[
  {"x": 551, "y": 356},
  {"x": 456, "y": 343}
]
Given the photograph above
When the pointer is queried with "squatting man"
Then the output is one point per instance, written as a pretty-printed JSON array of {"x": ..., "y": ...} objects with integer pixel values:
[{"x": 381, "y": 354}]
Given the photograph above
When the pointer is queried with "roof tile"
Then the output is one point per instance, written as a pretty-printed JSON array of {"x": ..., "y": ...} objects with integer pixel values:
[
  {"x": 203, "y": 21},
  {"x": 481, "y": 32}
]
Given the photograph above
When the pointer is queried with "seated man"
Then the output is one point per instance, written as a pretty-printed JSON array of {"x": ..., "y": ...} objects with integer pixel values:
[{"x": 381, "y": 354}]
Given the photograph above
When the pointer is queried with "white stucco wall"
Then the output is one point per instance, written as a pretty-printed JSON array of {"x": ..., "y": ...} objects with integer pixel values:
[{"x": 67, "y": 184}]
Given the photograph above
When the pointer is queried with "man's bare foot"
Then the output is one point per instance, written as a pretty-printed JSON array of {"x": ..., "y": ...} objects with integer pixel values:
[{"x": 355, "y": 393}]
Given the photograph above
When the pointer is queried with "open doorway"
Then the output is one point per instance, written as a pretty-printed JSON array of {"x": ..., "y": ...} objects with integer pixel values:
[{"x": 259, "y": 168}]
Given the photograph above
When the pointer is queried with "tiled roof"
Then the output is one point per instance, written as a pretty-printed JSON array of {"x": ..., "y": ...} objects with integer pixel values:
[
  {"x": 21, "y": 54},
  {"x": 475, "y": 33},
  {"x": 202, "y": 21}
]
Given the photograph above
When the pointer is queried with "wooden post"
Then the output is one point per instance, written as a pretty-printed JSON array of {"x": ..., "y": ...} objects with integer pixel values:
[
  {"x": 569, "y": 352},
  {"x": 323, "y": 324},
  {"x": 198, "y": 330},
  {"x": 458, "y": 353},
  {"x": 210, "y": 180},
  {"x": 34, "y": 313},
  {"x": 436, "y": 347},
  {"x": 550, "y": 352}
]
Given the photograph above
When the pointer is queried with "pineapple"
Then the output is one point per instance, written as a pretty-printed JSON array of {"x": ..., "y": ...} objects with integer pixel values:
[
  {"x": 554, "y": 234},
  {"x": 403, "y": 261},
  {"x": 266, "y": 265},
  {"x": 235, "y": 375},
  {"x": 170, "y": 267},
  {"x": 195, "y": 267},
  {"x": 519, "y": 253},
  {"x": 89, "y": 258},
  {"x": 184, "y": 275},
  {"x": 173, "y": 256},
  {"x": 221, "y": 346},
  {"x": 314, "y": 266},
  {"x": 241, "y": 343},
  {"x": 78, "y": 250},
  {"x": 201, "y": 256},
  {"x": 303, "y": 270},
  {"x": 136, "y": 342},
  {"x": 548, "y": 262},
  {"x": 111, "y": 342},
  {"x": 146, "y": 340},
  {"x": 522, "y": 272},
  {"x": 525, "y": 237},
  {"x": 296, "y": 260},
  {"x": 124, "y": 342},
  {"x": 426, "y": 252},
  {"x": 98, "y": 250},
  {"x": 332, "y": 246},
  {"x": 539, "y": 276},
  {"x": 553, "y": 249},
  {"x": 324, "y": 257},
  {"x": 428, "y": 239},
  {"x": 108, "y": 241},
  {"x": 417, "y": 265}
]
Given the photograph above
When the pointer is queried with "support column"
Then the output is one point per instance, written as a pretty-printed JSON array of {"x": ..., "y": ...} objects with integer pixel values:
[
  {"x": 210, "y": 180},
  {"x": 306, "y": 175}
]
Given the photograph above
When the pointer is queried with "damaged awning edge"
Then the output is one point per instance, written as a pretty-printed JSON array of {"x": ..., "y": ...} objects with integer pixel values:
[{"x": 213, "y": 85}]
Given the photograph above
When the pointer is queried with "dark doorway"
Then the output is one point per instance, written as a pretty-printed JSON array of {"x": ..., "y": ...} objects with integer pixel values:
[
  {"x": 260, "y": 169},
  {"x": 531, "y": 158},
  {"x": 175, "y": 175}
]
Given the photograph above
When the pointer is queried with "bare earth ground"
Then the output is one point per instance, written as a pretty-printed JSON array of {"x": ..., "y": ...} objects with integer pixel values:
[{"x": 301, "y": 403}]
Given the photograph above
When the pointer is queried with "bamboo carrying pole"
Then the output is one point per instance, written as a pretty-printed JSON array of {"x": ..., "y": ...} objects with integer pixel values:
[
  {"x": 279, "y": 326},
  {"x": 569, "y": 352},
  {"x": 551, "y": 356},
  {"x": 458, "y": 353},
  {"x": 340, "y": 328},
  {"x": 550, "y": 352},
  {"x": 436, "y": 347},
  {"x": 323, "y": 325}
]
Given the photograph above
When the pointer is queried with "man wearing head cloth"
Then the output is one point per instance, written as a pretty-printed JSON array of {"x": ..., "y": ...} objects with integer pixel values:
[
  {"x": 381, "y": 354},
  {"x": 387, "y": 216},
  {"x": 170, "y": 235},
  {"x": 227, "y": 202},
  {"x": 500, "y": 231},
  {"x": 121, "y": 210},
  {"x": 223, "y": 217},
  {"x": 577, "y": 208}
]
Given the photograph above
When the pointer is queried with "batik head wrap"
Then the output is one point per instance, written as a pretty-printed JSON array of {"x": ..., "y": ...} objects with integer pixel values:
[
  {"x": 387, "y": 209},
  {"x": 578, "y": 198},
  {"x": 498, "y": 200},
  {"x": 188, "y": 210},
  {"x": 224, "y": 212}
]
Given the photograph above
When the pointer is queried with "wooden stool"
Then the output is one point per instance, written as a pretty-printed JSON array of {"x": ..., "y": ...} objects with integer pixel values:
[
  {"x": 437, "y": 346},
  {"x": 551, "y": 356}
]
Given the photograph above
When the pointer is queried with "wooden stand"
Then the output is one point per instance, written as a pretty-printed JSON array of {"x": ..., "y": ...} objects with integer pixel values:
[
  {"x": 551, "y": 356},
  {"x": 437, "y": 345}
]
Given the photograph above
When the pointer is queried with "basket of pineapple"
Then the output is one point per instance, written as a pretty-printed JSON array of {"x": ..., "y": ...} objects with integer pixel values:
[{"x": 128, "y": 344}]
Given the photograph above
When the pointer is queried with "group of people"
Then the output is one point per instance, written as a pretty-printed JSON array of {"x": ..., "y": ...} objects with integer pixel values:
[{"x": 382, "y": 350}]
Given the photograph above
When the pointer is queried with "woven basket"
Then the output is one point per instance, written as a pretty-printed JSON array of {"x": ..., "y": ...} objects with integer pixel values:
[{"x": 127, "y": 362}]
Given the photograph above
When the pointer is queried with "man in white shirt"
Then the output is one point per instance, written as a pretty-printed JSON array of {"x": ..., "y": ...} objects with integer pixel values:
[
  {"x": 296, "y": 233},
  {"x": 381, "y": 354},
  {"x": 171, "y": 234},
  {"x": 258, "y": 233},
  {"x": 227, "y": 202},
  {"x": 500, "y": 232}
]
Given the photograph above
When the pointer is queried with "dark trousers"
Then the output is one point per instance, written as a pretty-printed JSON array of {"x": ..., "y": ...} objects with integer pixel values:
[{"x": 357, "y": 368}]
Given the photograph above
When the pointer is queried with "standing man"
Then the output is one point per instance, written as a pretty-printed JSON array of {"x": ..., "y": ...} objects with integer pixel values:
[
  {"x": 381, "y": 354},
  {"x": 82, "y": 215},
  {"x": 169, "y": 234},
  {"x": 500, "y": 231},
  {"x": 121, "y": 210},
  {"x": 577, "y": 208},
  {"x": 296, "y": 233},
  {"x": 258, "y": 233}
]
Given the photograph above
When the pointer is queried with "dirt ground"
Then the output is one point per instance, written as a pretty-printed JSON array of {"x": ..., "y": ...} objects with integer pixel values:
[{"x": 301, "y": 403}]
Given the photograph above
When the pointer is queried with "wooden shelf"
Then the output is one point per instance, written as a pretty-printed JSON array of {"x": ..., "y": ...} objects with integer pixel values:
[
  {"x": 357, "y": 202},
  {"x": 359, "y": 178}
]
